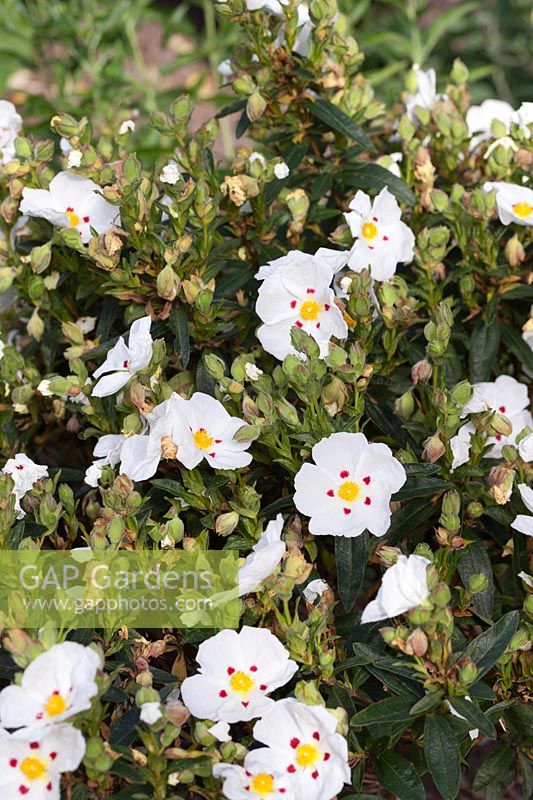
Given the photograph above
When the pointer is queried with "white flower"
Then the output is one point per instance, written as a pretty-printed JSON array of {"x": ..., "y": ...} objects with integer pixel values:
[
  {"x": 298, "y": 292},
  {"x": 302, "y": 742},
  {"x": 71, "y": 202},
  {"x": 525, "y": 448},
  {"x": 345, "y": 284},
  {"x": 474, "y": 733},
  {"x": 65, "y": 146},
  {"x": 506, "y": 396},
  {"x": 58, "y": 684},
  {"x": 514, "y": 203},
  {"x": 225, "y": 68},
  {"x": 264, "y": 558},
  {"x": 524, "y": 522},
  {"x": 315, "y": 589},
  {"x": 151, "y": 713},
  {"x": 255, "y": 780},
  {"x": 348, "y": 488},
  {"x": 304, "y": 23},
  {"x": 10, "y": 125},
  {"x": 44, "y": 388},
  {"x": 220, "y": 730},
  {"x": 189, "y": 431},
  {"x": 255, "y": 156},
  {"x": 334, "y": 260},
  {"x": 127, "y": 126},
  {"x": 505, "y": 142},
  {"x": 524, "y": 117},
  {"x": 528, "y": 579},
  {"x": 403, "y": 587},
  {"x": 123, "y": 361},
  {"x": 391, "y": 162},
  {"x": 479, "y": 119},
  {"x": 252, "y": 371},
  {"x": 74, "y": 158},
  {"x": 2, "y": 348},
  {"x": 86, "y": 324},
  {"x": 107, "y": 451},
  {"x": 383, "y": 240},
  {"x": 31, "y": 764},
  {"x": 281, "y": 171},
  {"x": 24, "y": 473},
  {"x": 170, "y": 173},
  {"x": 426, "y": 95},
  {"x": 237, "y": 672}
]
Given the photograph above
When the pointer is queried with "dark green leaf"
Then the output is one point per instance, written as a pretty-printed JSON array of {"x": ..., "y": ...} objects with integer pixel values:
[
  {"x": 351, "y": 554},
  {"x": 526, "y": 770},
  {"x": 231, "y": 108},
  {"x": 430, "y": 701},
  {"x": 398, "y": 776},
  {"x": 338, "y": 121},
  {"x": 123, "y": 729},
  {"x": 443, "y": 756},
  {"x": 418, "y": 486},
  {"x": 179, "y": 325},
  {"x": 486, "y": 648},
  {"x": 475, "y": 560},
  {"x": 483, "y": 350},
  {"x": 393, "y": 709},
  {"x": 387, "y": 422},
  {"x": 495, "y": 767},
  {"x": 372, "y": 176},
  {"x": 518, "y": 347},
  {"x": 473, "y": 714},
  {"x": 242, "y": 125}
]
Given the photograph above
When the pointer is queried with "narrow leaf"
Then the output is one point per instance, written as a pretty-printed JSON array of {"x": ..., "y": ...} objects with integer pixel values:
[
  {"x": 473, "y": 714},
  {"x": 398, "y": 776},
  {"x": 495, "y": 767},
  {"x": 338, "y": 121},
  {"x": 484, "y": 344},
  {"x": 486, "y": 648},
  {"x": 393, "y": 709},
  {"x": 443, "y": 756},
  {"x": 351, "y": 555},
  {"x": 475, "y": 560}
]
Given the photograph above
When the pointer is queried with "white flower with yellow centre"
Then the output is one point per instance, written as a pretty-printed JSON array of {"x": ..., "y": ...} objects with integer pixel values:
[
  {"x": 302, "y": 743},
  {"x": 513, "y": 202},
  {"x": 506, "y": 396},
  {"x": 237, "y": 673},
  {"x": 296, "y": 291},
  {"x": 71, "y": 202},
  {"x": 524, "y": 522},
  {"x": 383, "y": 240},
  {"x": 189, "y": 431},
  {"x": 264, "y": 558},
  {"x": 10, "y": 125},
  {"x": 479, "y": 119},
  {"x": 403, "y": 587},
  {"x": 25, "y": 473},
  {"x": 56, "y": 685},
  {"x": 31, "y": 763},
  {"x": 348, "y": 488},
  {"x": 124, "y": 360},
  {"x": 255, "y": 780}
]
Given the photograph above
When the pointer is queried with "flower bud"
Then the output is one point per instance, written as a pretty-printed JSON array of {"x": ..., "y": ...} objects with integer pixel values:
[
  {"x": 308, "y": 692},
  {"x": 478, "y": 583},
  {"x": 441, "y": 595},
  {"x": 404, "y": 406},
  {"x": 226, "y": 523},
  {"x": 520, "y": 641},
  {"x": 255, "y": 106},
  {"x": 168, "y": 283},
  {"x": 514, "y": 251},
  {"x": 418, "y": 642},
  {"x": 500, "y": 480},
  {"x": 421, "y": 372},
  {"x": 388, "y": 555},
  {"x": 433, "y": 449},
  {"x": 467, "y": 670}
]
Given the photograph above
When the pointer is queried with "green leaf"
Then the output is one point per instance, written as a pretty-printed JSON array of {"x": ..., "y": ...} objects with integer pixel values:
[
  {"x": 475, "y": 560},
  {"x": 443, "y": 756},
  {"x": 483, "y": 349},
  {"x": 473, "y": 714},
  {"x": 372, "y": 176},
  {"x": 123, "y": 729},
  {"x": 418, "y": 486},
  {"x": 486, "y": 648},
  {"x": 430, "y": 701},
  {"x": 351, "y": 555},
  {"x": 398, "y": 776},
  {"x": 526, "y": 770},
  {"x": 179, "y": 325},
  {"x": 495, "y": 767},
  {"x": 393, "y": 709},
  {"x": 518, "y": 347},
  {"x": 338, "y": 121},
  {"x": 445, "y": 22}
]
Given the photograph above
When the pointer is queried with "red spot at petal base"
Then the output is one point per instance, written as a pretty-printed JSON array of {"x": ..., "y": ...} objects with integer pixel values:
[
  {"x": 263, "y": 687},
  {"x": 294, "y": 743},
  {"x": 368, "y": 501},
  {"x": 375, "y": 219},
  {"x": 223, "y": 693},
  {"x": 291, "y": 768},
  {"x": 502, "y": 409},
  {"x": 316, "y": 736},
  {"x": 53, "y": 756},
  {"x": 317, "y": 325},
  {"x": 282, "y": 791},
  {"x": 231, "y": 670},
  {"x": 347, "y": 510},
  {"x": 327, "y": 756},
  {"x": 49, "y": 786},
  {"x": 13, "y": 762},
  {"x": 385, "y": 238},
  {"x": 498, "y": 437},
  {"x": 246, "y": 704},
  {"x": 327, "y": 307},
  {"x": 34, "y": 745},
  {"x": 310, "y": 291},
  {"x": 86, "y": 219},
  {"x": 253, "y": 668},
  {"x": 344, "y": 473},
  {"x": 299, "y": 324},
  {"x": 330, "y": 493},
  {"x": 366, "y": 480},
  {"x": 314, "y": 774},
  {"x": 293, "y": 303},
  {"x": 23, "y": 790}
]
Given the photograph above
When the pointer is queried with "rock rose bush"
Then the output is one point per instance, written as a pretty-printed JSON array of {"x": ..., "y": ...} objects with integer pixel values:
[{"x": 317, "y": 354}]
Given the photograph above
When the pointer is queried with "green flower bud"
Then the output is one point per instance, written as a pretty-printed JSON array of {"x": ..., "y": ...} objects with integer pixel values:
[
  {"x": 520, "y": 641},
  {"x": 215, "y": 366},
  {"x": 404, "y": 406},
  {"x": 168, "y": 283},
  {"x": 528, "y": 606},
  {"x": 255, "y": 106},
  {"x": 514, "y": 251},
  {"x": 40, "y": 257},
  {"x": 226, "y": 523},
  {"x": 467, "y": 671},
  {"x": 460, "y": 72},
  {"x": 478, "y": 583},
  {"x": 441, "y": 595}
]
